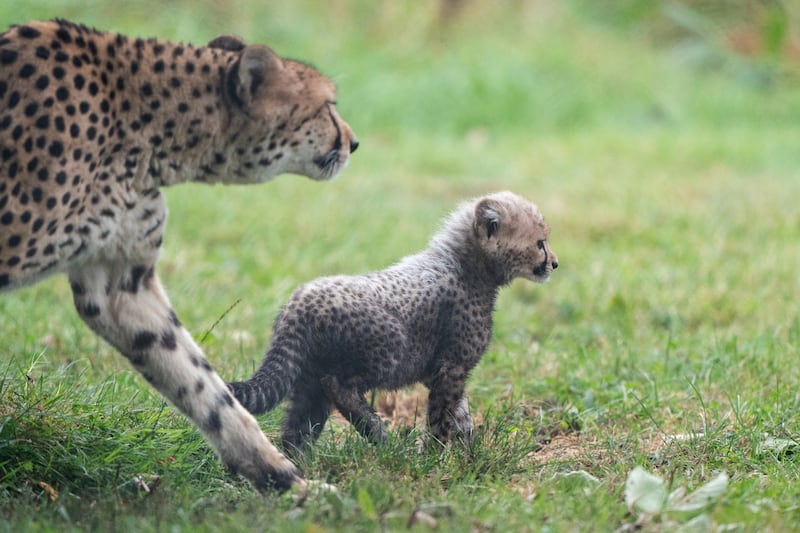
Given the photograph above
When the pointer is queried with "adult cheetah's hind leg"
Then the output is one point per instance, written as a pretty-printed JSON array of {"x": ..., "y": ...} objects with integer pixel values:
[
  {"x": 126, "y": 305},
  {"x": 354, "y": 407}
]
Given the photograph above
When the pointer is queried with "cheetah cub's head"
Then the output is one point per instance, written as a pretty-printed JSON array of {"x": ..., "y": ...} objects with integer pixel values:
[
  {"x": 288, "y": 110},
  {"x": 513, "y": 234}
]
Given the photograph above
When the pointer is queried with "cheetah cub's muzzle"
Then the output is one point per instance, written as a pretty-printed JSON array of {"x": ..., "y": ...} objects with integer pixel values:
[{"x": 543, "y": 271}]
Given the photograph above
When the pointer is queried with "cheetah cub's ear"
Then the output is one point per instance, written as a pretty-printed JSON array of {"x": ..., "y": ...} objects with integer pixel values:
[
  {"x": 250, "y": 76},
  {"x": 230, "y": 43},
  {"x": 488, "y": 214}
]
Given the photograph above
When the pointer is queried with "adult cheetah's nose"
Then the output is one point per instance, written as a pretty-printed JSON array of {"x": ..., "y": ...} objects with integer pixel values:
[
  {"x": 353, "y": 146},
  {"x": 555, "y": 265}
]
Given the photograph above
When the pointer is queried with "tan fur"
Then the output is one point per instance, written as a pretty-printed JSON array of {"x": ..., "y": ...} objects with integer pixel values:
[{"x": 92, "y": 126}]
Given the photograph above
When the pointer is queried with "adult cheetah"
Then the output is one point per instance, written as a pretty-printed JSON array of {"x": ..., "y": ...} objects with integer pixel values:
[
  {"x": 426, "y": 319},
  {"x": 92, "y": 126}
]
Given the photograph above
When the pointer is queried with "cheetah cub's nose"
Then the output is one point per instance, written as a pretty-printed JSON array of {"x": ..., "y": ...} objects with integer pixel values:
[
  {"x": 353, "y": 146},
  {"x": 555, "y": 265}
]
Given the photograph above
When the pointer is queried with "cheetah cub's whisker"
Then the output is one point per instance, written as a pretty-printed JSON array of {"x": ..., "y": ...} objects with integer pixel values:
[{"x": 426, "y": 319}]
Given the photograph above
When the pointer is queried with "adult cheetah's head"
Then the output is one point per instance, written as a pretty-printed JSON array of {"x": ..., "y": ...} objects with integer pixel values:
[
  {"x": 289, "y": 119},
  {"x": 513, "y": 234}
]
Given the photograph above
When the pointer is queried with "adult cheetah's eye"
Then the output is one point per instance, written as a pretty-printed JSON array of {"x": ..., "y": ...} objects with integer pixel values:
[{"x": 540, "y": 244}]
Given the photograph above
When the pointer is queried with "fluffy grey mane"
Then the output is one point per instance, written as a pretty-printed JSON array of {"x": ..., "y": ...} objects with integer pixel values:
[{"x": 456, "y": 231}]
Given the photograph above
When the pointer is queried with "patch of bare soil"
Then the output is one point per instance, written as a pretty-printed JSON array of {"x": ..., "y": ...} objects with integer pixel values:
[
  {"x": 402, "y": 409},
  {"x": 561, "y": 448}
]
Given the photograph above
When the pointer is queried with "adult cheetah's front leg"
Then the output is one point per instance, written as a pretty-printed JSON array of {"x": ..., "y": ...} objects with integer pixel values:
[{"x": 127, "y": 306}]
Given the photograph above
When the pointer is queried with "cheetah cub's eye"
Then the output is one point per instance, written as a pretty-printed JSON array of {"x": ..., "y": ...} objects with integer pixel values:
[{"x": 540, "y": 244}]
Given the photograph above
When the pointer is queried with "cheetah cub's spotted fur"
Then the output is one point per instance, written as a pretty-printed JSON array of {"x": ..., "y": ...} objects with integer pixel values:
[
  {"x": 426, "y": 319},
  {"x": 92, "y": 126}
]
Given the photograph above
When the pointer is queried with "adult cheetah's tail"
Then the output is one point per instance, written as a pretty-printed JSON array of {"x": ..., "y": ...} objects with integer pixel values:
[{"x": 272, "y": 381}]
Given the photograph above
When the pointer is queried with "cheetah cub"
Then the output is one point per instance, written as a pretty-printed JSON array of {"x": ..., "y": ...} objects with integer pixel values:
[{"x": 426, "y": 319}]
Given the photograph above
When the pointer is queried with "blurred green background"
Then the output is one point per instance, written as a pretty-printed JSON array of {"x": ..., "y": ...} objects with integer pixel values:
[{"x": 660, "y": 139}]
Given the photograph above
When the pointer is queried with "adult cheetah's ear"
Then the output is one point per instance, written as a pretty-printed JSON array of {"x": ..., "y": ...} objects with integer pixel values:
[
  {"x": 487, "y": 218},
  {"x": 230, "y": 43},
  {"x": 251, "y": 74}
]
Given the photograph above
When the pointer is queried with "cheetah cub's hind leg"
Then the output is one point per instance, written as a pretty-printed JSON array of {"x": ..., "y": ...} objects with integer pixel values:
[
  {"x": 126, "y": 305},
  {"x": 308, "y": 411},
  {"x": 354, "y": 407}
]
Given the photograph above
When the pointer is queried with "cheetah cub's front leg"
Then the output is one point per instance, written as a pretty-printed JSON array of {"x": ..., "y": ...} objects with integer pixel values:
[
  {"x": 448, "y": 410},
  {"x": 126, "y": 305}
]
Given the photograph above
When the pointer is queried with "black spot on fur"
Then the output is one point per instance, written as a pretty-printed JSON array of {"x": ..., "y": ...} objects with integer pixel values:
[
  {"x": 132, "y": 284},
  {"x": 27, "y": 71},
  {"x": 90, "y": 310},
  {"x": 13, "y": 99},
  {"x": 225, "y": 398},
  {"x": 214, "y": 422},
  {"x": 168, "y": 340},
  {"x": 7, "y": 57},
  {"x": 173, "y": 318},
  {"x": 143, "y": 340},
  {"x": 64, "y": 36},
  {"x": 56, "y": 149},
  {"x": 42, "y": 82},
  {"x": 26, "y": 32},
  {"x": 31, "y": 109}
]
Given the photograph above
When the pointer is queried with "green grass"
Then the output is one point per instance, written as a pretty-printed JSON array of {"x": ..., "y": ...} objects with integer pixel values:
[{"x": 670, "y": 179}]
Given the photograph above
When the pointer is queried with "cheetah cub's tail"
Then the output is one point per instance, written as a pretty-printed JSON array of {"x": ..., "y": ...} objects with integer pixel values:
[{"x": 273, "y": 380}]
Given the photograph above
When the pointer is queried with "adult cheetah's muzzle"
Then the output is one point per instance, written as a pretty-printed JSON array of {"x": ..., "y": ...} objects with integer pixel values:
[{"x": 329, "y": 163}]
